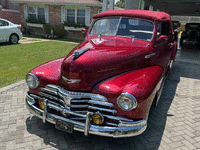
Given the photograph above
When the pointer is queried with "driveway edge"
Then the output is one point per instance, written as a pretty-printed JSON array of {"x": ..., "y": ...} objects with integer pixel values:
[{"x": 12, "y": 86}]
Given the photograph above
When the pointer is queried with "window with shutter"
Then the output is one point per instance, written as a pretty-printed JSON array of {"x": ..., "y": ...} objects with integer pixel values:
[
  {"x": 79, "y": 16},
  {"x": 37, "y": 14}
]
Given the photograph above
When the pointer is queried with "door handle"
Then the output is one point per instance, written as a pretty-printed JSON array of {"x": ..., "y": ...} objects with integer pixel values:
[
  {"x": 150, "y": 55},
  {"x": 171, "y": 45}
]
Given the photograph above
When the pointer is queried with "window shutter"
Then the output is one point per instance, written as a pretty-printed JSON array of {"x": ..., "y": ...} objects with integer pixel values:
[
  {"x": 47, "y": 14},
  {"x": 87, "y": 16},
  {"x": 25, "y": 11},
  {"x": 62, "y": 14}
]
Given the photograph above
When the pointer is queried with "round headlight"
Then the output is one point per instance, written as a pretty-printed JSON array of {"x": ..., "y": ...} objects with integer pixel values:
[
  {"x": 126, "y": 101},
  {"x": 32, "y": 81}
]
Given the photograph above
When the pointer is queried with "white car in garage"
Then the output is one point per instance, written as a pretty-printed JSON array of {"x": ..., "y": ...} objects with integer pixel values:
[{"x": 9, "y": 32}]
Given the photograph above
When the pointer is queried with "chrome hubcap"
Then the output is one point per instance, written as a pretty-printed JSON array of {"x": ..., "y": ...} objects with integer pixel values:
[{"x": 14, "y": 39}]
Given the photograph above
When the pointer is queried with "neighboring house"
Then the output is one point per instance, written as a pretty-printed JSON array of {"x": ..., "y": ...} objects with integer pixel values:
[
  {"x": 6, "y": 4},
  {"x": 9, "y": 11},
  {"x": 57, "y": 12}
]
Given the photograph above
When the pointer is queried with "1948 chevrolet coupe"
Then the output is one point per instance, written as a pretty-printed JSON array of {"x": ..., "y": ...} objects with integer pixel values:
[{"x": 107, "y": 84}]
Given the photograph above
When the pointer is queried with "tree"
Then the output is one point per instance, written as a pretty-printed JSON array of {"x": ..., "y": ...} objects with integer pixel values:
[{"x": 121, "y": 3}]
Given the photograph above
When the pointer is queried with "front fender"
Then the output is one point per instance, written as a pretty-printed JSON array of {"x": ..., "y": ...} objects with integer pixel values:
[
  {"x": 48, "y": 73},
  {"x": 142, "y": 84}
]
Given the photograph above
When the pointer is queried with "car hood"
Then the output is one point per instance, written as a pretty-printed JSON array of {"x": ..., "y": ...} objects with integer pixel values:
[{"x": 103, "y": 58}]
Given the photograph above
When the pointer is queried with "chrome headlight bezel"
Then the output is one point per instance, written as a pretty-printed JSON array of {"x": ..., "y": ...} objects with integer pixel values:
[
  {"x": 32, "y": 81},
  {"x": 130, "y": 102}
]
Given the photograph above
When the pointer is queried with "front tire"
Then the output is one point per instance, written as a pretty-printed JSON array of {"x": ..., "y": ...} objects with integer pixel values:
[{"x": 13, "y": 39}]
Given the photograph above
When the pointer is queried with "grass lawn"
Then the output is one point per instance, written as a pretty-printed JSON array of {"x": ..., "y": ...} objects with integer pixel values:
[
  {"x": 17, "y": 60},
  {"x": 60, "y": 39}
]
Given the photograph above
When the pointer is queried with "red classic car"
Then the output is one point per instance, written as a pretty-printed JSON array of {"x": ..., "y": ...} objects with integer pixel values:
[{"x": 107, "y": 84}]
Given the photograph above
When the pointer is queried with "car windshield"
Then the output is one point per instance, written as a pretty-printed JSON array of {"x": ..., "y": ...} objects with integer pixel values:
[{"x": 123, "y": 26}]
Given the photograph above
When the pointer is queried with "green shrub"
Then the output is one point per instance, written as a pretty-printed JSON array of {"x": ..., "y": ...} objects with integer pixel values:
[
  {"x": 41, "y": 21},
  {"x": 35, "y": 20},
  {"x": 72, "y": 24},
  {"x": 59, "y": 30},
  {"x": 32, "y": 20},
  {"x": 47, "y": 28}
]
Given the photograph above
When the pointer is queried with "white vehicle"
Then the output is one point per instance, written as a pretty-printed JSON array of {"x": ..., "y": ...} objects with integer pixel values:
[{"x": 9, "y": 32}]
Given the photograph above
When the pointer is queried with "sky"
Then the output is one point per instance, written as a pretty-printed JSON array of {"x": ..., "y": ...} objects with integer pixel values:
[{"x": 116, "y": 1}]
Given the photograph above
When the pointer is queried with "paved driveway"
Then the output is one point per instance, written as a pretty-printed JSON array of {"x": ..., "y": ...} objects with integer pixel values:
[{"x": 173, "y": 124}]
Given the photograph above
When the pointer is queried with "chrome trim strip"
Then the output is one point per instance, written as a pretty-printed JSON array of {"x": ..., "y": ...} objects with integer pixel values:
[
  {"x": 53, "y": 98},
  {"x": 70, "y": 81},
  {"x": 132, "y": 124},
  {"x": 49, "y": 91},
  {"x": 77, "y": 118},
  {"x": 150, "y": 55},
  {"x": 81, "y": 112},
  {"x": 100, "y": 103},
  {"x": 87, "y": 124},
  {"x": 79, "y": 101},
  {"x": 117, "y": 118},
  {"x": 111, "y": 124},
  {"x": 45, "y": 110},
  {"x": 79, "y": 106},
  {"x": 102, "y": 109},
  {"x": 31, "y": 98},
  {"x": 77, "y": 53},
  {"x": 76, "y": 95},
  {"x": 48, "y": 96},
  {"x": 134, "y": 129}
]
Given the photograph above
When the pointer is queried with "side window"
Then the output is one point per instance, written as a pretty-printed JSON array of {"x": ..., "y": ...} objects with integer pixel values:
[
  {"x": 165, "y": 28},
  {"x": 3, "y": 23},
  {"x": 158, "y": 31}
]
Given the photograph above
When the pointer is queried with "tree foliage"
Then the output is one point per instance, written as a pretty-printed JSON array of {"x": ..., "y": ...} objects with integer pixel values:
[{"x": 121, "y": 3}]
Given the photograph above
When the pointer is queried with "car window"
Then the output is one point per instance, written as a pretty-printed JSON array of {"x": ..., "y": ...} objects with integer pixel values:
[
  {"x": 163, "y": 29},
  {"x": 123, "y": 26},
  {"x": 3, "y": 23}
]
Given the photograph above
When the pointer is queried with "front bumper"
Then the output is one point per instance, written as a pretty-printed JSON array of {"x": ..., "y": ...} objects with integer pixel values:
[{"x": 123, "y": 130}]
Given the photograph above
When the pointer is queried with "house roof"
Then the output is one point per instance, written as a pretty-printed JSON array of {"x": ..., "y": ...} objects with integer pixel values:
[
  {"x": 145, "y": 14},
  {"x": 59, "y": 2}
]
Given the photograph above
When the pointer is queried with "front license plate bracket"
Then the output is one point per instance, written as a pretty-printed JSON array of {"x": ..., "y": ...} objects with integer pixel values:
[{"x": 61, "y": 125}]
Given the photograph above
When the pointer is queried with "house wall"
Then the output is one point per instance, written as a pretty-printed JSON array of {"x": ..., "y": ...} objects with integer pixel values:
[
  {"x": 6, "y": 4},
  {"x": 54, "y": 14},
  {"x": 55, "y": 19},
  {"x": 22, "y": 19},
  {"x": 10, "y": 15}
]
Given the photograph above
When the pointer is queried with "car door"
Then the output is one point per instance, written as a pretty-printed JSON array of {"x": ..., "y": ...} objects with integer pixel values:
[
  {"x": 164, "y": 44},
  {"x": 4, "y": 31}
]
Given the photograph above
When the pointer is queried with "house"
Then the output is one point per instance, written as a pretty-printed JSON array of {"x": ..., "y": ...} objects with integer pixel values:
[
  {"x": 54, "y": 12},
  {"x": 9, "y": 11},
  {"x": 6, "y": 4}
]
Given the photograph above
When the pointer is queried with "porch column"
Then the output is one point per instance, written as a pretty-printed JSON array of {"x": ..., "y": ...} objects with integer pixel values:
[
  {"x": 111, "y": 5},
  {"x": 105, "y": 3}
]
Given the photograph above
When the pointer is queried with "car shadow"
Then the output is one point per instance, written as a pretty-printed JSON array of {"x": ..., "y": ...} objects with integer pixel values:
[
  {"x": 7, "y": 44},
  {"x": 150, "y": 139}
]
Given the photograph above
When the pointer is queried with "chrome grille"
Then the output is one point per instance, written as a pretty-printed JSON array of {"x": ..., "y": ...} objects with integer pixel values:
[{"x": 82, "y": 103}]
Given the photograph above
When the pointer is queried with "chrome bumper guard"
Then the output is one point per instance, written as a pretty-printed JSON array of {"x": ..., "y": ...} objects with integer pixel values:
[{"x": 125, "y": 129}]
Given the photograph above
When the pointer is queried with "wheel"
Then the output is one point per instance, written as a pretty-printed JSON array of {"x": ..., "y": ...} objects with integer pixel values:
[{"x": 13, "y": 39}]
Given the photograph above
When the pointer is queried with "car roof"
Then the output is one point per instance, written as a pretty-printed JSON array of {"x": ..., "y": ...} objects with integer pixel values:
[
  {"x": 144, "y": 14},
  {"x": 5, "y": 20}
]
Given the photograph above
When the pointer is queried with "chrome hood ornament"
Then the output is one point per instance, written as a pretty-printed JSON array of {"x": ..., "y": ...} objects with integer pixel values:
[
  {"x": 70, "y": 81},
  {"x": 77, "y": 53}
]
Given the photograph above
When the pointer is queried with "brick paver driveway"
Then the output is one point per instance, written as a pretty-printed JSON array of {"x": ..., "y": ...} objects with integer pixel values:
[{"x": 173, "y": 124}]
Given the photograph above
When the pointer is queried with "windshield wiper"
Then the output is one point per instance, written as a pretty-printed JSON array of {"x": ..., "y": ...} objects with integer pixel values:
[{"x": 128, "y": 36}]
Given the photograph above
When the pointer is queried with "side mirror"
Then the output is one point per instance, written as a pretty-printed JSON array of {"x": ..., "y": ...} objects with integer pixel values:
[
  {"x": 84, "y": 31},
  {"x": 162, "y": 38}
]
